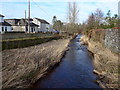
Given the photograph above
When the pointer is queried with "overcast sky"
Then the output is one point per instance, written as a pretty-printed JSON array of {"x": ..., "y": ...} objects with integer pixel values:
[{"x": 46, "y": 9}]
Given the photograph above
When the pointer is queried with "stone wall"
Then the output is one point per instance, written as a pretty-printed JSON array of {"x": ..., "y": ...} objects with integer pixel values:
[{"x": 112, "y": 39}]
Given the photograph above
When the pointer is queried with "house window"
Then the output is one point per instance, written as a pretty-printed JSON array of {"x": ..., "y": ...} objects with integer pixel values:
[
  {"x": 2, "y": 29},
  {"x": 26, "y": 29},
  {"x": 31, "y": 29},
  {"x": 11, "y": 28},
  {"x": 5, "y": 29}
]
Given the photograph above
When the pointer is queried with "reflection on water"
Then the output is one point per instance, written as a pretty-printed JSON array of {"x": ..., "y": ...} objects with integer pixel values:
[{"x": 75, "y": 70}]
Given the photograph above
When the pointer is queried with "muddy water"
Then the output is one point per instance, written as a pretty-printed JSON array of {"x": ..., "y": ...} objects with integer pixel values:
[{"x": 75, "y": 70}]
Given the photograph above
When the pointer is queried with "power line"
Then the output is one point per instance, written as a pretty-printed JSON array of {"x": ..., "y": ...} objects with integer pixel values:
[{"x": 41, "y": 8}]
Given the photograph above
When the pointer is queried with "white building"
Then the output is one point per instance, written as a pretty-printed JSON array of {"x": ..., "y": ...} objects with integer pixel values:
[
  {"x": 43, "y": 25},
  {"x": 4, "y": 26},
  {"x": 22, "y": 25}
]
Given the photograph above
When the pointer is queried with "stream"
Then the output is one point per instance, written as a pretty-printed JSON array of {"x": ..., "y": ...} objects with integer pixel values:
[{"x": 74, "y": 71}]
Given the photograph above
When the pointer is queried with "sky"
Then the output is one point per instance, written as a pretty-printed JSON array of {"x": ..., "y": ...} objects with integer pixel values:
[{"x": 46, "y": 9}]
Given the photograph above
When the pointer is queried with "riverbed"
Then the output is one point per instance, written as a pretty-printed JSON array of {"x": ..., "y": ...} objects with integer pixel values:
[{"x": 74, "y": 71}]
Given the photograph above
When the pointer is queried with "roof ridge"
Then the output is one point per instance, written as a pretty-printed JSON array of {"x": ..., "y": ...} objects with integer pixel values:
[
  {"x": 1, "y": 15},
  {"x": 42, "y": 20}
]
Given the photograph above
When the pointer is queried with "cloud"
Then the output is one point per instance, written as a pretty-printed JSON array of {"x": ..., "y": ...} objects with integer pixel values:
[{"x": 46, "y": 10}]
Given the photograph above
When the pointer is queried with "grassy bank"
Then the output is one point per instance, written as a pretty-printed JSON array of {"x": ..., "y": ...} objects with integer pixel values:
[
  {"x": 105, "y": 63},
  {"x": 22, "y": 67}
]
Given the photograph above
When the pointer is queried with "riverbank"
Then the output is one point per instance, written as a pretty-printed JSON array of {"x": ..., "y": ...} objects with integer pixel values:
[
  {"x": 75, "y": 70},
  {"x": 105, "y": 63},
  {"x": 23, "y": 67}
]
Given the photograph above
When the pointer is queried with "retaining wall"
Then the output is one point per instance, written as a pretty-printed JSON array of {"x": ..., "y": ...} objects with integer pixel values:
[{"x": 112, "y": 39}]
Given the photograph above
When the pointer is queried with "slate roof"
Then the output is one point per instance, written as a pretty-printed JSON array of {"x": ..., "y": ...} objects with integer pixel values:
[
  {"x": 19, "y": 22},
  {"x": 33, "y": 24},
  {"x": 5, "y": 24},
  {"x": 13, "y": 22},
  {"x": 22, "y": 22},
  {"x": 1, "y": 15},
  {"x": 42, "y": 21}
]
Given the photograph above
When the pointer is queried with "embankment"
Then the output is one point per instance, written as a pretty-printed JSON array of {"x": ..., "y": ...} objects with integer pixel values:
[
  {"x": 24, "y": 66},
  {"x": 105, "y": 63}
]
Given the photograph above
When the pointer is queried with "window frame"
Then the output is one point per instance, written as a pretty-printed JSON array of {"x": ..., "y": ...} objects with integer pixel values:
[
  {"x": 2, "y": 29},
  {"x": 5, "y": 29}
]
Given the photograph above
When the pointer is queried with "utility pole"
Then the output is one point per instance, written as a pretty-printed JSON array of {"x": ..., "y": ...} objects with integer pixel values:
[
  {"x": 25, "y": 22},
  {"x": 28, "y": 16}
]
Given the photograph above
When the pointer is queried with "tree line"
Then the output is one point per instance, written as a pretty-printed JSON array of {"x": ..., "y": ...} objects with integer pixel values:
[{"x": 96, "y": 20}]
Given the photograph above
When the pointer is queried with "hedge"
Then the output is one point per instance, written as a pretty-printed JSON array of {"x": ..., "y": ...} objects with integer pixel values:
[{"x": 25, "y": 42}]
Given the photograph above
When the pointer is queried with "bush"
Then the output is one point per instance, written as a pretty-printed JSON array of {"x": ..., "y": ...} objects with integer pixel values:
[
  {"x": 25, "y": 42},
  {"x": 97, "y": 35}
]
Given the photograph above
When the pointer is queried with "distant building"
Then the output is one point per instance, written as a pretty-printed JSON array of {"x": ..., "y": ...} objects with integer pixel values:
[
  {"x": 4, "y": 26},
  {"x": 14, "y": 23},
  {"x": 44, "y": 26},
  {"x": 36, "y": 25},
  {"x": 22, "y": 25}
]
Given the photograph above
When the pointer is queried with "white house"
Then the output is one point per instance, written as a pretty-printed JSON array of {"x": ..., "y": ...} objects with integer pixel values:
[
  {"x": 4, "y": 26},
  {"x": 22, "y": 25},
  {"x": 43, "y": 25}
]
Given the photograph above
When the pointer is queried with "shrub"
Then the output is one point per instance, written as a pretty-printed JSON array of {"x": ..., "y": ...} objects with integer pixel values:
[
  {"x": 97, "y": 35},
  {"x": 25, "y": 42}
]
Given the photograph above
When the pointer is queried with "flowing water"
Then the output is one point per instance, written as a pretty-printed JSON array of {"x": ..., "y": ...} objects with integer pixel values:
[{"x": 75, "y": 70}]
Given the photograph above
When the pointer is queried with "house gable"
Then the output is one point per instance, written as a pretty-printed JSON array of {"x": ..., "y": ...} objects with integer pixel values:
[
  {"x": 1, "y": 15},
  {"x": 42, "y": 21}
]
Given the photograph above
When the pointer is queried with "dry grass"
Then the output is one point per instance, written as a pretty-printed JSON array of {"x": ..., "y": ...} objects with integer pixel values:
[
  {"x": 21, "y": 67},
  {"x": 105, "y": 61}
]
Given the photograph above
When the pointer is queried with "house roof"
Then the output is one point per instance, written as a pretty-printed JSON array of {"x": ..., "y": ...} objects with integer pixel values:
[
  {"x": 1, "y": 15},
  {"x": 5, "y": 24},
  {"x": 13, "y": 22},
  {"x": 24, "y": 22},
  {"x": 42, "y": 21},
  {"x": 33, "y": 24},
  {"x": 21, "y": 22},
  {"x": 30, "y": 19}
]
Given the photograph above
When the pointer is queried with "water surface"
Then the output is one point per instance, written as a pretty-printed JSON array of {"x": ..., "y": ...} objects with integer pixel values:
[{"x": 75, "y": 70}]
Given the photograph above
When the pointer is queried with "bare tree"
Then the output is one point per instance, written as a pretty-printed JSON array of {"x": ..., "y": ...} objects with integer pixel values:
[
  {"x": 98, "y": 17},
  {"x": 72, "y": 16},
  {"x": 91, "y": 21},
  {"x": 72, "y": 12}
]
